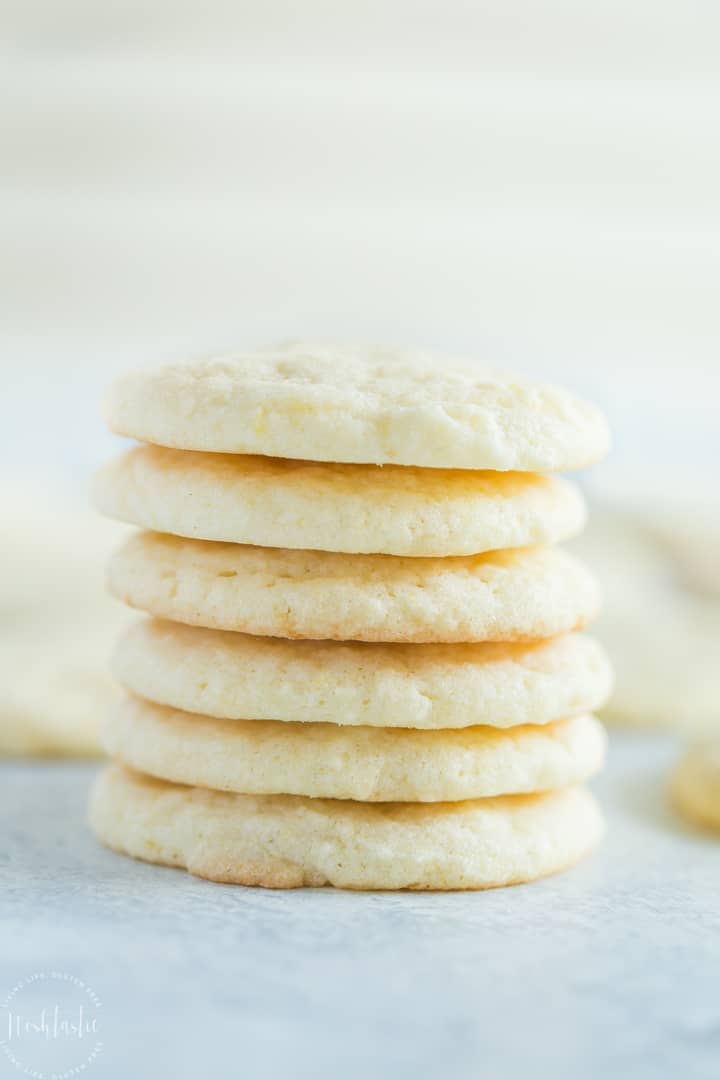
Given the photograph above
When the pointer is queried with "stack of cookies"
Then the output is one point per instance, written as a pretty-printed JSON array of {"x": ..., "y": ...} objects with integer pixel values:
[{"x": 361, "y": 665}]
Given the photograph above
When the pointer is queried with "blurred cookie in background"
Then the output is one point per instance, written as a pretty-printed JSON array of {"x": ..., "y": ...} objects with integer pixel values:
[
  {"x": 661, "y": 618},
  {"x": 695, "y": 784},
  {"x": 56, "y": 628}
]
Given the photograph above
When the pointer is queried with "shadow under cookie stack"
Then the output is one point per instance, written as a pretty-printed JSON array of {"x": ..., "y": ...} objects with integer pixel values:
[{"x": 360, "y": 663}]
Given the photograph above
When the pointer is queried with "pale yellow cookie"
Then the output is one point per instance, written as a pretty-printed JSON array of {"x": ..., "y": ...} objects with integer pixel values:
[
  {"x": 389, "y": 509},
  {"x": 57, "y": 626},
  {"x": 286, "y": 841},
  {"x": 695, "y": 784},
  {"x": 515, "y": 595},
  {"x": 235, "y": 676},
  {"x": 331, "y": 402},
  {"x": 266, "y": 757},
  {"x": 57, "y": 692},
  {"x": 661, "y": 619}
]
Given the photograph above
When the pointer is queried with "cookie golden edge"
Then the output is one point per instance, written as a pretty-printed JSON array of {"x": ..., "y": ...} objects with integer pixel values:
[
  {"x": 285, "y": 842},
  {"x": 327, "y": 761}
]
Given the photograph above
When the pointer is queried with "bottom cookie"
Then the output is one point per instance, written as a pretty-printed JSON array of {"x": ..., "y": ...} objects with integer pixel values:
[
  {"x": 695, "y": 784},
  {"x": 285, "y": 841}
]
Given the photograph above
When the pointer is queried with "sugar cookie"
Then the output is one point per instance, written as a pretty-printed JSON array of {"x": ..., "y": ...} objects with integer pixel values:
[
  {"x": 331, "y": 402},
  {"x": 285, "y": 841},
  {"x": 515, "y": 595},
  {"x": 392, "y": 510},
  {"x": 267, "y": 757},
  {"x": 695, "y": 783},
  {"x": 235, "y": 676}
]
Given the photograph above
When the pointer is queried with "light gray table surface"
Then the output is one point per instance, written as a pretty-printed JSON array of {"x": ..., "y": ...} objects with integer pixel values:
[{"x": 610, "y": 969}]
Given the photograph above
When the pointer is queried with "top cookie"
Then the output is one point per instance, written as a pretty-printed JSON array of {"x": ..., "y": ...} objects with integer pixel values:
[{"x": 359, "y": 404}]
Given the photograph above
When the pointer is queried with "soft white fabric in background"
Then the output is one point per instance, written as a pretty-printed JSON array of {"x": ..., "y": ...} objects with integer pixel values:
[{"x": 535, "y": 184}]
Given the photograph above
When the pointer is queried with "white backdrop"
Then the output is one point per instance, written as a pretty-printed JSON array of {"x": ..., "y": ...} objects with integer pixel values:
[{"x": 536, "y": 184}]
